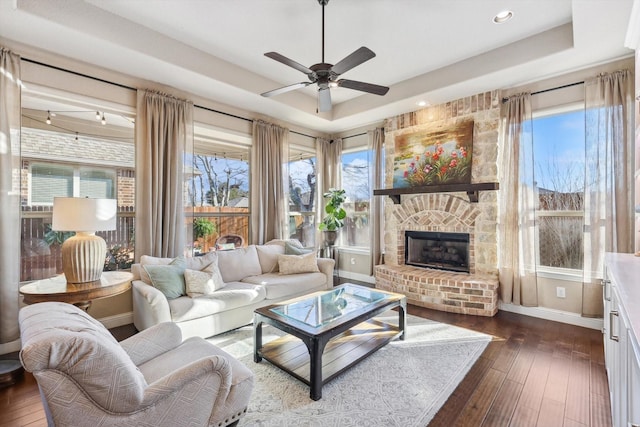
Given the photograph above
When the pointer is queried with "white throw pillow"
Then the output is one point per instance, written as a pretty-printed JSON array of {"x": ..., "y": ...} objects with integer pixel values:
[
  {"x": 205, "y": 282},
  {"x": 268, "y": 256},
  {"x": 295, "y": 264}
]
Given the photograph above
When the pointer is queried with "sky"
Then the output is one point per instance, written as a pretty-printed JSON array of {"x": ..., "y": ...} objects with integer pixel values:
[{"x": 559, "y": 151}]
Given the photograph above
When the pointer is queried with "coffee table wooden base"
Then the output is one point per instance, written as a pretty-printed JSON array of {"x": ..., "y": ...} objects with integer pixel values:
[
  {"x": 315, "y": 361},
  {"x": 292, "y": 355}
]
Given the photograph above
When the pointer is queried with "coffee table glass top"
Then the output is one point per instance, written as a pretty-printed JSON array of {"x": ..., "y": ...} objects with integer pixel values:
[{"x": 321, "y": 309}]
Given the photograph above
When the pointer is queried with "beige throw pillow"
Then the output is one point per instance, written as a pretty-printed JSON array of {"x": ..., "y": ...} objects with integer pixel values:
[
  {"x": 295, "y": 264},
  {"x": 205, "y": 282}
]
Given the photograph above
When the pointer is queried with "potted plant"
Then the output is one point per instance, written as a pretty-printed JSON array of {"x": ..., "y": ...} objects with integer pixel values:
[
  {"x": 334, "y": 215},
  {"x": 202, "y": 228}
]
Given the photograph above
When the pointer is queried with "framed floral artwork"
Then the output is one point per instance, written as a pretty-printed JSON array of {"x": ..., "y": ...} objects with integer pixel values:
[{"x": 434, "y": 157}]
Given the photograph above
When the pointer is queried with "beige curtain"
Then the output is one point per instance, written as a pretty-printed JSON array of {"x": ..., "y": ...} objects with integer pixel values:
[
  {"x": 328, "y": 174},
  {"x": 10, "y": 86},
  {"x": 517, "y": 204},
  {"x": 376, "y": 213},
  {"x": 269, "y": 159},
  {"x": 609, "y": 179},
  {"x": 164, "y": 127}
]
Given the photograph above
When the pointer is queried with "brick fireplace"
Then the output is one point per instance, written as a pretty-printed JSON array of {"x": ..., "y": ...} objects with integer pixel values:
[{"x": 475, "y": 292}]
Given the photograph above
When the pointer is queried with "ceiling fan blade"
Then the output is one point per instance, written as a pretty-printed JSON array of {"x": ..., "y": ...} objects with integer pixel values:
[
  {"x": 290, "y": 62},
  {"x": 285, "y": 89},
  {"x": 356, "y": 58},
  {"x": 324, "y": 100},
  {"x": 363, "y": 87}
]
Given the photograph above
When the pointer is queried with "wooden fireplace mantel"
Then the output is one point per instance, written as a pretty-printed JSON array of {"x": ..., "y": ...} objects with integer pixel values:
[{"x": 471, "y": 189}]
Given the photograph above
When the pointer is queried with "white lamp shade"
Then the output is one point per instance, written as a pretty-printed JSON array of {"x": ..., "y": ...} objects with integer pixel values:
[{"x": 83, "y": 214}]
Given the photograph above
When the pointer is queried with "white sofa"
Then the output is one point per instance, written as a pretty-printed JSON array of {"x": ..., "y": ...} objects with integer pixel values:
[{"x": 251, "y": 280}]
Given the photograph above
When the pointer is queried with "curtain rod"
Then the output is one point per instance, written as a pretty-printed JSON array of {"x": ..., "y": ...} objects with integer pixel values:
[
  {"x": 135, "y": 89},
  {"x": 353, "y": 136},
  {"x": 550, "y": 89}
]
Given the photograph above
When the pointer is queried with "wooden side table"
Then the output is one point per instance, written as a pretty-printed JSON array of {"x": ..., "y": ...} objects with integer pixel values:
[{"x": 80, "y": 294}]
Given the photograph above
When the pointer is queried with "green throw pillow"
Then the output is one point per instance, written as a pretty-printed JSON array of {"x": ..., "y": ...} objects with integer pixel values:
[
  {"x": 168, "y": 279},
  {"x": 291, "y": 249}
]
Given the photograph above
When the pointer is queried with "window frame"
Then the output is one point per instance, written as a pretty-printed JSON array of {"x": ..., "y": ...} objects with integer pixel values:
[
  {"x": 559, "y": 273},
  {"x": 366, "y": 249},
  {"x": 76, "y": 179}
]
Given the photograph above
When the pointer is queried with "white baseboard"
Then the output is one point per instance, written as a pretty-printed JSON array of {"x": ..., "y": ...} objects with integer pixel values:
[
  {"x": 117, "y": 320},
  {"x": 555, "y": 315},
  {"x": 356, "y": 276}
]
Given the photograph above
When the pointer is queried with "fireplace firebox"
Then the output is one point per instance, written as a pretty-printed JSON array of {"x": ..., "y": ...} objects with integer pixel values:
[{"x": 439, "y": 250}]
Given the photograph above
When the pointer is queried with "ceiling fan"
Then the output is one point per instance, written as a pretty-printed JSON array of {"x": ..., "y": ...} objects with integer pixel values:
[{"x": 326, "y": 75}]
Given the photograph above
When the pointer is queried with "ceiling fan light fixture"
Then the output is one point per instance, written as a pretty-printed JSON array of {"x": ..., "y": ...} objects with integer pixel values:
[
  {"x": 502, "y": 17},
  {"x": 333, "y": 84}
]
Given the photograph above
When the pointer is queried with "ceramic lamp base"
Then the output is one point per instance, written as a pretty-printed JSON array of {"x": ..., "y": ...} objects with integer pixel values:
[{"x": 83, "y": 257}]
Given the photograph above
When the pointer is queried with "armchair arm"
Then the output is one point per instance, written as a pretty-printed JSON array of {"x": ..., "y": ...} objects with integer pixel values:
[
  {"x": 150, "y": 306},
  {"x": 325, "y": 265},
  {"x": 152, "y": 342},
  {"x": 211, "y": 374}
]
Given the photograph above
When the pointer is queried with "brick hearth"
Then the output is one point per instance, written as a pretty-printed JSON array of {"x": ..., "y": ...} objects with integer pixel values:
[{"x": 441, "y": 290}]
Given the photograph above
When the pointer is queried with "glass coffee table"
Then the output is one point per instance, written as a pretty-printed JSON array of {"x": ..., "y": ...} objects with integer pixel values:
[{"x": 328, "y": 332}]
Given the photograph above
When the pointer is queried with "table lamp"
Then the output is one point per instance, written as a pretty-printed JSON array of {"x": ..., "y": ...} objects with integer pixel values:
[{"x": 83, "y": 255}]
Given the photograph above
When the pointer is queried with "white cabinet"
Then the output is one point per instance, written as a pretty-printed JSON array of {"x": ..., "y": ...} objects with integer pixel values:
[{"x": 622, "y": 353}]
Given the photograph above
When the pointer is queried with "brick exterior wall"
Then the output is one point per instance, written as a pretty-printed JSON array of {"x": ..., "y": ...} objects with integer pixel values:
[{"x": 474, "y": 293}]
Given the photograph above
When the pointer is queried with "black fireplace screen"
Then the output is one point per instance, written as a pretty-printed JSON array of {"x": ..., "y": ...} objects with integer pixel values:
[{"x": 444, "y": 251}]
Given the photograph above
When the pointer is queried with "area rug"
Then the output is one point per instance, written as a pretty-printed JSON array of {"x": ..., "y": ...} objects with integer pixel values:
[{"x": 403, "y": 384}]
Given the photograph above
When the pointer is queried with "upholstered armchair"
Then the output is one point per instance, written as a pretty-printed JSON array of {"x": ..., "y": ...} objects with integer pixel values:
[{"x": 87, "y": 378}]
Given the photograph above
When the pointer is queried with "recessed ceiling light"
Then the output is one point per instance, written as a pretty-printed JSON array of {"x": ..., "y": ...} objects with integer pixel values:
[
  {"x": 502, "y": 17},
  {"x": 421, "y": 103}
]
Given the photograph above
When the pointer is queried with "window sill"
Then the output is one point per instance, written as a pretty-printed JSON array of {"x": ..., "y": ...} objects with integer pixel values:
[{"x": 560, "y": 274}]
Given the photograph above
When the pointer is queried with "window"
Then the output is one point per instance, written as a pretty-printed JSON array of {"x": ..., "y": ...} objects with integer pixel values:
[
  {"x": 559, "y": 161},
  {"x": 357, "y": 184},
  {"x": 74, "y": 156},
  {"x": 217, "y": 192},
  {"x": 49, "y": 180},
  {"x": 302, "y": 199}
]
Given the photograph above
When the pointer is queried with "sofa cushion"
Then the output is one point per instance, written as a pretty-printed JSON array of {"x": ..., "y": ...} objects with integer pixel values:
[
  {"x": 278, "y": 286},
  {"x": 295, "y": 264},
  {"x": 233, "y": 295},
  {"x": 293, "y": 249},
  {"x": 239, "y": 263},
  {"x": 168, "y": 279},
  {"x": 196, "y": 348},
  {"x": 268, "y": 256},
  {"x": 201, "y": 262}
]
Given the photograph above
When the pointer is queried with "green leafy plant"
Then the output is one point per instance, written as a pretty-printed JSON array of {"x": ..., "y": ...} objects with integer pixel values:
[
  {"x": 202, "y": 227},
  {"x": 334, "y": 213},
  {"x": 56, "y": 237}
]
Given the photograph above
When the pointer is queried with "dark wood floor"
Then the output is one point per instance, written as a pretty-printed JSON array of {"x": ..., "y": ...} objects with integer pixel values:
[{"x": 533, "y": 373}]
